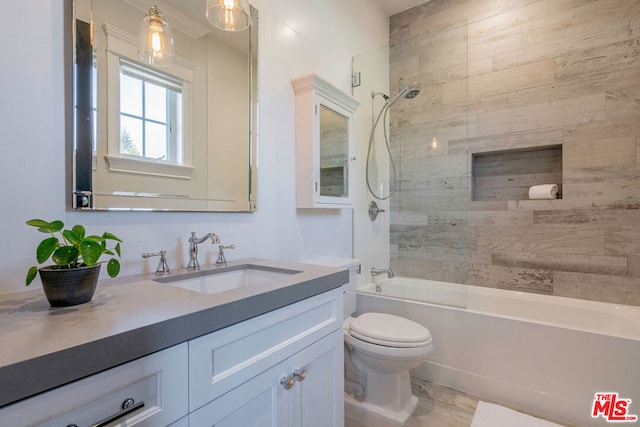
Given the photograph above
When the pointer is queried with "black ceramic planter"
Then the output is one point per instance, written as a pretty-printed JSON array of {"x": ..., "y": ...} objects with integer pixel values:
[{"x": 69, "y": 286}]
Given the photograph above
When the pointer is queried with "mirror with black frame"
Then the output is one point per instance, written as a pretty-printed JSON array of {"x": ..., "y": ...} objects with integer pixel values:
[{"x": 173, "y": 137}]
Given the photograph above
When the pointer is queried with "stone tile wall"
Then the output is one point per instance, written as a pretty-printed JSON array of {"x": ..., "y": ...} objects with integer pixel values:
[{"x": 512, "y": 75}]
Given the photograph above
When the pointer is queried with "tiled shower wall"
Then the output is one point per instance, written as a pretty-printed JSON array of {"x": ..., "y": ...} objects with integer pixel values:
[{"x": 513, "y": 75}]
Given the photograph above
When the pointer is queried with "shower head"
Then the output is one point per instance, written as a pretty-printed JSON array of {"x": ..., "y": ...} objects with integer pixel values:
[{"x": 409, "y": 92}]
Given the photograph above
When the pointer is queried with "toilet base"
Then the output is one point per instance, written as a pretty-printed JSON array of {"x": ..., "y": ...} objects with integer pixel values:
[{"x": 375, "y": 416}]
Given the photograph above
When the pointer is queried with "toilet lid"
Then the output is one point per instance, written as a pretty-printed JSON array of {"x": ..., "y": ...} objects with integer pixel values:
[{"x": 389, "y": 330}]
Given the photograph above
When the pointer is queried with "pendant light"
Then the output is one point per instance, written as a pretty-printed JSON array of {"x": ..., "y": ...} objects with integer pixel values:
[
  {"x": 229, "y": 15},
  {"x": 155, "y": 42}
]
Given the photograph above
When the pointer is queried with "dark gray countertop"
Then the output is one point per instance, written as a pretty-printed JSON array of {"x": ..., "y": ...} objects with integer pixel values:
[{"x": 44, "y": 347}]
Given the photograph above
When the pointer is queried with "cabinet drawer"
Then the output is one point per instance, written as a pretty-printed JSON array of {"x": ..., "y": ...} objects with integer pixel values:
[
  {"x": 158, "y": 380},
  {"x": 227, "y": 358}
]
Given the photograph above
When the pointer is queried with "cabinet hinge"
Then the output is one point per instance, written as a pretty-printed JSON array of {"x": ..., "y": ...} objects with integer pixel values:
[{"x": 316, "y": 186}]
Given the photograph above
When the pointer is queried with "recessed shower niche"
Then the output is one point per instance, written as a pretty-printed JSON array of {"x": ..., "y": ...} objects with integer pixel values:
[{"x": 508, "y": 174}]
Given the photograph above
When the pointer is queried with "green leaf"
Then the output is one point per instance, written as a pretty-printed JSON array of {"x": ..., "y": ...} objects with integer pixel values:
[
  {"x": 46, "y": 227},
  {"x": 31, "y": 274},
  {"x": 40, "y": 223},
  {"x": 90, "y": 251},
  {"x": 110, "y": 237},
  {"x": 46, "y": 248},
  {"x": 71, "y": 237},
  {"x": 94, "y": 238},
  {"x": 113, "y": 267},
  {"x": 79, "y": 231},
  {"x": 65, "y": 255},
  {"x": 56, "y": 226},
  {"x": 117, "y": 249}
]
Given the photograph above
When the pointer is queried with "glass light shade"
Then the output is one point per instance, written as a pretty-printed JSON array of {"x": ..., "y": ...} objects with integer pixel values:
[
  {"x": 155, "y": 42},
  {"x": 229, "y": 15}
]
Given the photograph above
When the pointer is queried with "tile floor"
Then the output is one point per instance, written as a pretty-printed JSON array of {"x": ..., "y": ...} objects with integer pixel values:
[{"x": 438, "y": 406}]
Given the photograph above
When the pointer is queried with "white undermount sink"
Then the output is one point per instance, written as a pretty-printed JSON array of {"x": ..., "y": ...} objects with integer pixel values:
[{"x": 226, "y": 279}]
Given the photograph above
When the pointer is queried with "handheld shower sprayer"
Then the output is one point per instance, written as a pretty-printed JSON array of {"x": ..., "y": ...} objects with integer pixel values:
[{"x": 408, "y": 92}]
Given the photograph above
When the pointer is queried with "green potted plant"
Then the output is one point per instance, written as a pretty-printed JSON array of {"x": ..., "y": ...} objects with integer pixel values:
[{"x": 73, "y": 277}]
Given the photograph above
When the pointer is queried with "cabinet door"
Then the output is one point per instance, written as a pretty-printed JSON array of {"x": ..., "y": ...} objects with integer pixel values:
[
  {"x": 317, "y": 399},
  {"x": 333, "y": 153},
  {"x": 259, "y": 402}
]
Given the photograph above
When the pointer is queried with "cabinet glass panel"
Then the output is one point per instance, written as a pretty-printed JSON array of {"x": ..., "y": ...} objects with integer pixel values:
[{"x": 334, "y": 153}]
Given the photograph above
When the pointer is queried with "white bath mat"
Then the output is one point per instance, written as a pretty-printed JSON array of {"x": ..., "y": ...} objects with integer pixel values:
[{"x": 490, "y": 415}]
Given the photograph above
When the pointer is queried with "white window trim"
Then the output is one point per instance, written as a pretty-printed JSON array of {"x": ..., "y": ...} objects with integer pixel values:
[
  {"x": 122, "y": 44},
  {"x": 145, "y": 167}
]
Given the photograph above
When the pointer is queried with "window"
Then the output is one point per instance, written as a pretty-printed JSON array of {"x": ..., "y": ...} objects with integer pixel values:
[{"x": 150, "y": 114}]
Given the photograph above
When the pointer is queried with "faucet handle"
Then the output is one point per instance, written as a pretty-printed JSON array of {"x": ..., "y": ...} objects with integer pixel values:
[
  {"x": 222, "y": 260},
  {"x": 163, "y": 267}
]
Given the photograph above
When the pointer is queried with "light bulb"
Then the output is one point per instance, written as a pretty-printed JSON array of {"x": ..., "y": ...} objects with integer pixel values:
[
  {"x": 229, "y": 24},
  {"x": 156, "y": 40}
]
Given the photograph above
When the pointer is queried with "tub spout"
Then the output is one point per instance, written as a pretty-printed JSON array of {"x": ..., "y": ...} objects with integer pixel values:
[{"x": 377, "y": 271}]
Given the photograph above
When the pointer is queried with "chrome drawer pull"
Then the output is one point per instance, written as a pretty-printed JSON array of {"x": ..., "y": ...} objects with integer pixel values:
[
  {"x": 128, "y": 406},
  {"x": 300, "y": 375},
  {"x": 287, "y": 383}
]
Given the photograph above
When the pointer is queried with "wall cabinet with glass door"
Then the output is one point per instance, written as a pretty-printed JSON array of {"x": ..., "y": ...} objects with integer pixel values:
[{"x": 324, "y": 144}]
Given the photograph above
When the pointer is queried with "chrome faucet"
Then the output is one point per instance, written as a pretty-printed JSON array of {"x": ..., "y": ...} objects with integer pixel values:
[
  {"x": 222, "y": 259},
  {"x": 193, "y": 248},
  {"x": 377, "y": 271}
]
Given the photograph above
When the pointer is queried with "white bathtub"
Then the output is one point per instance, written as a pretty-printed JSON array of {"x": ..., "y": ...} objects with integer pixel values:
[{"x": 542, "y": 354}]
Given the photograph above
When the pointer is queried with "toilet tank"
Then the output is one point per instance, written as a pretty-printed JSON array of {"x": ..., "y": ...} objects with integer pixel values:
[{"x": 349, "y": 289}]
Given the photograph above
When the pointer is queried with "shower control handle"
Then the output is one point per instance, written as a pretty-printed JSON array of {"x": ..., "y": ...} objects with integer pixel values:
[{"x": 374, "y": 210}]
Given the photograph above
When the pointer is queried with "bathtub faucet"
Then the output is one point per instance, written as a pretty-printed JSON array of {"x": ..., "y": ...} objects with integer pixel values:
[{"x": 377, "y": 271}]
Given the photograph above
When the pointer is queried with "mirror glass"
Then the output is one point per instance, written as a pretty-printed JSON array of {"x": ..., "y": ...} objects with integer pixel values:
[
  {"x": 334, "y": 153},
  {"x": 178, "y": 137}
]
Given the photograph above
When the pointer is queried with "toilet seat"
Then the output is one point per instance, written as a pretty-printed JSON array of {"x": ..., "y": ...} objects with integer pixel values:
[{"x": 389, "y": 331}]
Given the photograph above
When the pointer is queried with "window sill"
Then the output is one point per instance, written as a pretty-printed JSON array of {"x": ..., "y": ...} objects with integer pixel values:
[{"x": 144, "y": 167}]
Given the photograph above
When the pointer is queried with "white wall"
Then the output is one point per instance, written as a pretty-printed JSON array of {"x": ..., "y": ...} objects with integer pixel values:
[{"x": 296, "y": 37}]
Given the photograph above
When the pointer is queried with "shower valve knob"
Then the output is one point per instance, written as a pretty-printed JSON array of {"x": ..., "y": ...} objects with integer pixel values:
[{"x": 374, "y": 210}]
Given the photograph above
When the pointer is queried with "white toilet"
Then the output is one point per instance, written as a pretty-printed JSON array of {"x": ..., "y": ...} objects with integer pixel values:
[{"x": 379, "y": 351}]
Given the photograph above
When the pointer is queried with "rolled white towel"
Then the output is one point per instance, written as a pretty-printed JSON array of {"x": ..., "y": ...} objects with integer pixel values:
[{"x": 543, "y": 191}]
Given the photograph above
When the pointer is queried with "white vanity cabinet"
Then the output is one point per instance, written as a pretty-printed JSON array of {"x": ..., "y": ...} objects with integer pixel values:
[
  {"x": 284, "y": 368},
  {"x": 324, "y": 144},
  {"x": 150, "y": 392}
]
